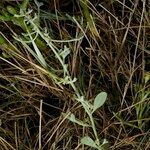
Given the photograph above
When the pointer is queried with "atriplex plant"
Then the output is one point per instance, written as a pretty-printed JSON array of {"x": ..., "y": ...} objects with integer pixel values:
[{"x": 31, "y": 26}]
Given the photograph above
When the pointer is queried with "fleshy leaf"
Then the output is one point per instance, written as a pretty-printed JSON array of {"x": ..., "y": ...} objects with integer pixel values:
[
  {"x": 39, "y": 4},
  {"x": 65, "y": 52},
  {"x": 88, "y": 141},
  {"x": 79, "y": 122},
  {"x": 99, "y": 101}
]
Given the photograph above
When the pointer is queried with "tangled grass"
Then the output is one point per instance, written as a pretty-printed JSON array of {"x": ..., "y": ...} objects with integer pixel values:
[{"x": 74, "y": 75}]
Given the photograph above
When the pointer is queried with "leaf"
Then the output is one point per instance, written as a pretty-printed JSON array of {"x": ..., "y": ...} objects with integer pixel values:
[
  {"x": 72, "y": 118},
  {"x": 65, "y": 52},
  {"x": 99, "y": 101},
  {"x": 39, "y": 55},
  {"x": 88, "y": 141},
  {"x": 24, "y": 5},
  {"x": 39, "y": 4},
  {"x": 79, "y": 122},
  {"x": 105, "y": 144}
]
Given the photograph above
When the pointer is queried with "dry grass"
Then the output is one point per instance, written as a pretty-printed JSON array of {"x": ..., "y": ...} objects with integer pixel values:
[{"x": 109, "y": 43}]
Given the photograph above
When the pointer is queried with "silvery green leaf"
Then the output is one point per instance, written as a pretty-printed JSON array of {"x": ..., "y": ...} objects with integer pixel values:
[
  {"x": 79, "y": 122},
  {"x": 105, "y": 141},
  {"x": 72, "y": 118},
  {"x": 99, "y": 100},
  {"x": 105, "y": 144},
  {"x": 39, "y": 4},
  {"x": 74, "y": 80},
  {"x": 88, "y": 141},
  {"x": 39, "y": 55},
  {"x": 65, "y": 52},
  {"x": 67, "y": 80},
  {"x": 22, "y": 14},
  {"x": 25, "y": 45}
]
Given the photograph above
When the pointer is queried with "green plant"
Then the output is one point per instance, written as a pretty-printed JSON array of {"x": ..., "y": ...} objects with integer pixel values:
[
  {"x": 31, "y": 24},
  {"x": 55, "y": 59}
]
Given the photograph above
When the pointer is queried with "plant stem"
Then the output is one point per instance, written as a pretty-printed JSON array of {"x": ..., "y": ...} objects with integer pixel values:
[{"x": 94, "y": 128}]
